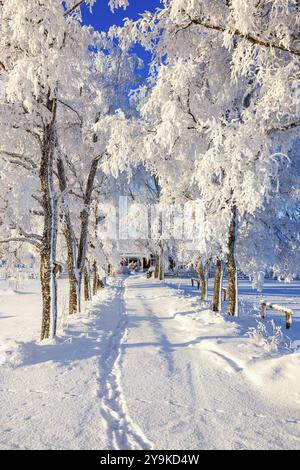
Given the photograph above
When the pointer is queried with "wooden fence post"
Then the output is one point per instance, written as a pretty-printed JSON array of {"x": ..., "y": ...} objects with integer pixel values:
[
  {"x": 263, "y": 310},
  {"x": 277, "y": 308},
  {"x": 288, "y": 320}
]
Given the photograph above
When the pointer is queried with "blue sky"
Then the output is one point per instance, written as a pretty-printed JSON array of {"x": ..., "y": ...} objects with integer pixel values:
[{"x": 102, "y": 18}]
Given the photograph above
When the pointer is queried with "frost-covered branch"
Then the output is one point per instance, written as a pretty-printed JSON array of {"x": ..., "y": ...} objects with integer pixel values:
[
  {"x": 21, "y": 240},
  {"x": 20, "y": 159},
  {"x": 284, "y": 127},
  {"x": 71, "y": 109},
  {"x": 74, "y": 7},
  {"x": 236, "y": 33}
]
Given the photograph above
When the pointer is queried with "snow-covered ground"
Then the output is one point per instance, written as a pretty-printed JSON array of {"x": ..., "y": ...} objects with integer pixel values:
[
  {"x": 148, "y": 365},
  {"x": 284, "y": 294}
]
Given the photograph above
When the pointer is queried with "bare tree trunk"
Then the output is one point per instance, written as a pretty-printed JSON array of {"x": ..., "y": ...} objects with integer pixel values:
[
  {"x": 159, "y": 261},
  {"x": 157, "y": 264},
  {"x": 161, "y": 264},
  {"x": 203, "y": 272},
  {"x": 79, "y": 291},
  {"x": 78, "y": 256},
  {"x": 46, "y": 293},
  {"x": 232, "y": 271},
  {"x": 85, "y": 219},
  {"x": 96, "y": 281},
  {"x": 73, "y": 287},
  {"x": 74, "y": 291},
  {"x": 217, "y": 301},
  {"x": 85, "y": 216},
  {"x": 49, "y": 238},
  {"x": 202, "y": 278},
  {"x": 95, "y": 278},
  {"x": 87, "y": 286},
  {"x": 74, "y": 297}
]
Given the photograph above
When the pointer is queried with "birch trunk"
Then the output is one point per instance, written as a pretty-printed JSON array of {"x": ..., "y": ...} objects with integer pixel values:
[
  {"x": 73, "y": 285},
  {"x": 95, "y": 278},
  {"x": 203, "y": 272},
  {"x": 74, "y": 297},
  {"x": 161, "y": 265},
  {"x": 49, "y": 238},
  {"x": 217, "y": 300},
  {"x": 203, "y": 283},
  {"x": 46, "y": 293},
  {"x": 232, "y": 270},
  {"x": 86, "y": 277},
  {"x": 79, "y": 296},
  {"x": 77, "y": 255},
  {"x": 157, "y": 264},
  {"x": 85, "y": 219}
]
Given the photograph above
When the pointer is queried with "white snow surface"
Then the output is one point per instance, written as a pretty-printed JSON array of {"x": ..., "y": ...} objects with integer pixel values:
[{"x": 148, "y": 366}]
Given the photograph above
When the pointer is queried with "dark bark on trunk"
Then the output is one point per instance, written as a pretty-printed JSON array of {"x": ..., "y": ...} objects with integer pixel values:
[
  {"x": 74, "y": 301},
  {"x": 95, "y": 278},
  {"x": 85, "y": 216},
  {"x": 161, "y": 270},
  {"x": 232, "y": 271},
  {"x": 78, "y": 255},
  {"x": 73, "y": 285},
  {"x": 202, "y": 283},
  {"x": 85, "y": 219},
  {"x": 49, "y": 238},
  {"x": 95, "y": 264},
  {"x": 87, "y": 286},
  {"x": 157, "y": 263},
  {"x": 203, "y": 276},
  {"x": 73, "y": 293},
  {"x": 46, "y": 294},
  {"x": 217, "y": 301}
]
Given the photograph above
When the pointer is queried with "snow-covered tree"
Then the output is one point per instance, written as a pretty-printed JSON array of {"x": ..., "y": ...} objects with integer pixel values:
[
  {"x": 44, "y": 58},
  {"x": 224, "y": 81}
]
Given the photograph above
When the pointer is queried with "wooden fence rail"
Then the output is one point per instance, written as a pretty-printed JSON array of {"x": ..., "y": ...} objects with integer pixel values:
[
  {"x": 277, "y": 308},
  {"x": 193, "y": 280}
]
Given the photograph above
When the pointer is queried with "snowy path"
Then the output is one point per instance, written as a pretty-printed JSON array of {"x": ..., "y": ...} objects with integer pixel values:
[
  {"x": 121, "y": 432},
  {"x": 146, "y": 367},
  {"x": 59, "y": 396},
  {"x": 192, "y": 382}
]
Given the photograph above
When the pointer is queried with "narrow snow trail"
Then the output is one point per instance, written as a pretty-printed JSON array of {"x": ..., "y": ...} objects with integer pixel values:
[
  {"x": 64, "y": 395},
  {"x": 121, "y": 432},
  {"x": 67, "y": 394},
  {"x": 146, "y": 366},
  {"x": 188, "y": 381}
]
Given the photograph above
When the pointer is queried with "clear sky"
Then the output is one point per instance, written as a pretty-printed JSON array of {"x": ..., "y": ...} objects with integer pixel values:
[{"x": 102, "y": 18}]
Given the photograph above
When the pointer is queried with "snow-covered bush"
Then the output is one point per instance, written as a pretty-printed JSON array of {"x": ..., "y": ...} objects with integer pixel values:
[{"x": 267, "y": 335}]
